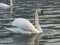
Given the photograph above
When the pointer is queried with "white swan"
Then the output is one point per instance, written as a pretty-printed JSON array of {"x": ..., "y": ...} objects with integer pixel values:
[
  {"x": 25, "y": 27},
  {"x": 24, "y": 24},
  {"x": 4, "y": 6}
]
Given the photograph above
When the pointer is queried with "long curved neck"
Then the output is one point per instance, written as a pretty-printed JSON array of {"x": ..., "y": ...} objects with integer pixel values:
[
  {"x": 11, "y": 10},
  {"x": 37, "y": 21}
]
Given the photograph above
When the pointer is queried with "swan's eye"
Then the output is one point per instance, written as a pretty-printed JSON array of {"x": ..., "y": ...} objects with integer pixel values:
[{"x": 42, "y": 12}]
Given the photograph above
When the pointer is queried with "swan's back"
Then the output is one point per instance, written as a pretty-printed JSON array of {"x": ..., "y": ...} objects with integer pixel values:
[
  {"x": 24, "y": 24},
  {"x": 27, "y": 31},
  {"x": 4, "y": 6}
]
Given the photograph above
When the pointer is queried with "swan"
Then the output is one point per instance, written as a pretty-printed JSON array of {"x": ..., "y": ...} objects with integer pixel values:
[
  {"x": 25, "y": 27},
  {"x": 4, "y": 6}
]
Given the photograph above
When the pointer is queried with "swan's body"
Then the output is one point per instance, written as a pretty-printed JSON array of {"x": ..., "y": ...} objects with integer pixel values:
[
  {"x": 25, "y": 25},
  {"x": 28, "y": 33},
  {"x": 4, "y": 6}
]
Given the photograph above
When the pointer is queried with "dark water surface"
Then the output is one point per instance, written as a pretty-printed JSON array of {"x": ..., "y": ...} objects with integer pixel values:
[{"x": 50, "y": 22}]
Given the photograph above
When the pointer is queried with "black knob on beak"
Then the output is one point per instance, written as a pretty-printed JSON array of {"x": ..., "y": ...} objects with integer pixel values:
[{"x": 42, "y": 12}]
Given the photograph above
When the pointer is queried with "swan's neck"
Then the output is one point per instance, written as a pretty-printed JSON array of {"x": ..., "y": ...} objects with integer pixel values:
[
  {"x": 11, "y": 11},
  {"x": 37, "y": 21}
]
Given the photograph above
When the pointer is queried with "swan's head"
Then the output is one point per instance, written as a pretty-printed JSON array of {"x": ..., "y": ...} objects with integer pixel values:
[{"x": 40, "y": 11}]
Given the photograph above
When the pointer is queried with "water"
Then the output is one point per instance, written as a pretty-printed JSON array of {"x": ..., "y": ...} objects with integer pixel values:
[{"x": 50, "y": 22}]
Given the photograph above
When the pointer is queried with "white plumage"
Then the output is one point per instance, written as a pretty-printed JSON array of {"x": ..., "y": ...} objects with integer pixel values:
[
  {"x": 25, "y": 25},
  {"x": 4, "y": 6},
  {"x": 27, "y": 28}
]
